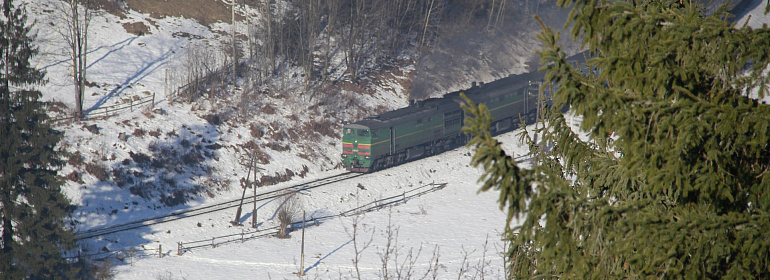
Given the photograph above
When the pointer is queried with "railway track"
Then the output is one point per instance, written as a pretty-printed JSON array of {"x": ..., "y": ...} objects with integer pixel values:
[
  {"x": 101, "y": 231},
  {"x": 96, "y": 232}
]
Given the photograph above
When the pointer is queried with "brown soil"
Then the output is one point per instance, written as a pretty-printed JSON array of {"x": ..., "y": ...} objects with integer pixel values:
[{"x": 204, "y": 11}]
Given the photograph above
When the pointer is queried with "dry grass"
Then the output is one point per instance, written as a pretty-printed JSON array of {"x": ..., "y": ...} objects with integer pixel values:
[
  {"x": 322, "y": 127},
  {"x": 137, "y": 28},
  {"x": 204, "y": 11}
]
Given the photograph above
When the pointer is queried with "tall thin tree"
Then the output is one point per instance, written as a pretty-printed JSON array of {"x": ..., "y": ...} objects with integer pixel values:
[
  {"x": 76, "y": 16},
  {"x": 34, "y": 233}
]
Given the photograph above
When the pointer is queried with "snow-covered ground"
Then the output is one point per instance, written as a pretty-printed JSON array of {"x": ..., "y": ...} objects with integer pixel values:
[
  {"x": 460, "y": 226},
  {"x": 453, "y": 232}
]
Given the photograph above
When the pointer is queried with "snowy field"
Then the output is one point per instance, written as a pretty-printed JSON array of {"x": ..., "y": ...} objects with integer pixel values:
[{"x": 453, "y": 232}]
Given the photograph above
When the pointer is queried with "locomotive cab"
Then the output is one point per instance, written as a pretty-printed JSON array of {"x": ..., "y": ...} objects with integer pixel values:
[{"x": 356, "y": 148}]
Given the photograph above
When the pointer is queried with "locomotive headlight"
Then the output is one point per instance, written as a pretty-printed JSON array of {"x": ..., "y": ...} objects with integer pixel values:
[
  {"x": 344, "y": 155},
  {"x": 367, "y": 157}
]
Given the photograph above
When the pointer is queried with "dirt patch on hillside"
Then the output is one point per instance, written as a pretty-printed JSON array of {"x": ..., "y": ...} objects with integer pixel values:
[
  {"x": 137, "y": 28},
  {"x": 204, "y": 11}
]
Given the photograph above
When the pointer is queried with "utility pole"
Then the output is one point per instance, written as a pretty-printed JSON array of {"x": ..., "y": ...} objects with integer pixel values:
[
  {"x": 254, "y": 211},
  {"x": 302, "y": 254},
  {"x": 244, "y": 184}
]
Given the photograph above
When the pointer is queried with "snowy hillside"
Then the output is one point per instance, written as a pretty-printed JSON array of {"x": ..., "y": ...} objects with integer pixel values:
[
  {"x": 122, "y": 159},
  {"x": 125, "y": 163}
]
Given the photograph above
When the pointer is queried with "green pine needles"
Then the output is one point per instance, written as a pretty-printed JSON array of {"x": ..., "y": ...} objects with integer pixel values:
[
  {"x": 674, "y": 178},
  {"x": 32, "y": 207}
]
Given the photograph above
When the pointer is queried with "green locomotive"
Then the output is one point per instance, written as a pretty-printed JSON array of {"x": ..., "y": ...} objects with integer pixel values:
[{"x": 431, "y": 126}]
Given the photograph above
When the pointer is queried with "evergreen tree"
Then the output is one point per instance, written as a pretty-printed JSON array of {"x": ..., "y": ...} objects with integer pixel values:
[
  {"x": 34, "y": 233},
  {"x": 674, "y": 178}
]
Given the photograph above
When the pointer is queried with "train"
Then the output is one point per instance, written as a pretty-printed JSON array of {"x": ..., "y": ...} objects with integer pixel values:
[{"x": 432, "y": 126}]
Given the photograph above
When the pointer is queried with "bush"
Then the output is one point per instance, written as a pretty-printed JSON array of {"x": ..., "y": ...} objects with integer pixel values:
[
  {"x": 92, "y": 269},
  {"x": 75, "y": 159},
  {"x": 289, "y": 210},
  {"x": 176, "y": 198},
  {"x": 75, "y": 177},
  {"x": 140, "y": 158},
  {"x": 138, "y": 132},
  {"x": 213, "y": 119},
  {"x": 98, "y": 170},
  {"x": 255, "y": 130},
  {"x": 141, "y": 190},
  {"x": 154, "y": 133}
]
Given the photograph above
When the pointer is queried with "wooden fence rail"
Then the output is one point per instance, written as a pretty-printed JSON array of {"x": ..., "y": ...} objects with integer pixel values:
[
  {"x": 112, "y": 110},
  {"x": 132, "y": 251},
  {"x": 215, "y": 241},
  {"x": 244, "y": 235}
]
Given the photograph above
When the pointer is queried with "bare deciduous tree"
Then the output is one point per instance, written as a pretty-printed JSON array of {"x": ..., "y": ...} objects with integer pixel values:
[
  {"x": 359, "y": 246},
  {"x": 76, "y": 16},
  {"x": 289, "y": 210}
]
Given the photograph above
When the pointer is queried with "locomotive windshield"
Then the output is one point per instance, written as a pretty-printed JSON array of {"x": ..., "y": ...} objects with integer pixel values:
[{"x": 363, "y": 132}]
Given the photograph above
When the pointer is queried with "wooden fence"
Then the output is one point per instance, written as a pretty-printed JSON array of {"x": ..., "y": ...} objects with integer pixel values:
[
  {"x": 215, "y": 241},
  {"x": 122, "y": 254},
  {"x": 104, "y": 112}
]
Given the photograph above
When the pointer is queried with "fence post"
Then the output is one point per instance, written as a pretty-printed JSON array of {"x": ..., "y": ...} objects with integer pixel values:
[
  {"x": 131, "y": 103},
  {"x": 106, "y": 112},
  {"x": 152, "y": 105},
  {"x": 179, "y": 249},
  {"x": 160, "y": 251},
  {"x": 212, "y": 242},
  {"x": 404, "y": 196}
]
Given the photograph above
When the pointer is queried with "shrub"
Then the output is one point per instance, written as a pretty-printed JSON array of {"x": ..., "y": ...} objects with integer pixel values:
[
  {"x": 75, "y": 177},
  {"x": 289, "y": 210},
  {"x": 176, "y": 198},
  {"x": 138, "y": 132},
  {"x": 140, "y": 158},
  {"x": 98, "y": 170},
  {"x": 213, "y": 119},
  {"x": 141, "y": 190},
  {"x": 154, "y": 133},
  {"x": 255, "y": 130},
  {"x": 75, "y": 159}
]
